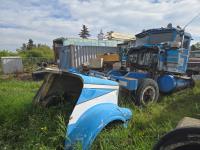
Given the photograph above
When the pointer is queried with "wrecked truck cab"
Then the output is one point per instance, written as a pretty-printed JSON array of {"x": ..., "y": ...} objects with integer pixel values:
[{"x": 93, "y": 104}]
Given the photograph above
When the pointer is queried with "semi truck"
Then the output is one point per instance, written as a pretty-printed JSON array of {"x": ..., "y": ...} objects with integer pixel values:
[{"x": 156, "y": 64}]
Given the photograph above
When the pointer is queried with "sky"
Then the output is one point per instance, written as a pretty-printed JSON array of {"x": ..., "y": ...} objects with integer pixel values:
[{"x": 45, "y": 20}]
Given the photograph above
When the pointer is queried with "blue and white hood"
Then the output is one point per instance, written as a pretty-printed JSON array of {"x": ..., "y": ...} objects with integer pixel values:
[
  {"x": 93, "y": 102},
  {"x": 95, "y": 91}
]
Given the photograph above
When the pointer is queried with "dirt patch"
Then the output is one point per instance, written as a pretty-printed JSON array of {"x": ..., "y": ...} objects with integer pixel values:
[
  {"x": 24, "y": 76},
  {"x": 21, "y": 76}
]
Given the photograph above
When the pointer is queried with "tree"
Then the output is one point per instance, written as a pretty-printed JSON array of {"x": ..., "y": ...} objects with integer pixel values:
[
  {"x": 195, "y": 46},
  {"x": 30, "y": 44},
  {"x": 23, "y": 48},
  {"x": 41, "y": 51},
  {"x": 39, "y": 45},
  {"x": 7, "y": 53},
  {"x": 84, "y": 32},
  {"x": 109, "y": 35}
]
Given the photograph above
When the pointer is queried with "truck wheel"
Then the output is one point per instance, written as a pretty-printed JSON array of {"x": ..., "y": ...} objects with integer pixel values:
[
  {"x": 147, "y": 92},
  {"x": 184, "y": 138}
]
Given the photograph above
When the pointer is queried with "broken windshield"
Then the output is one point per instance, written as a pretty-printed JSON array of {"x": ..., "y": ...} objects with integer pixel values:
[{"x": 155, "y": 38}]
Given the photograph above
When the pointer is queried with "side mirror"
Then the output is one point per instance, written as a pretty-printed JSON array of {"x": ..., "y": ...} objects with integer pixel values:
[{"x": 181, "y": 32}]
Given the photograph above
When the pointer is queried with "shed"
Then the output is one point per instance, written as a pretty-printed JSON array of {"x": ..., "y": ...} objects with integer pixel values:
[{"x": 11, "y": 64}]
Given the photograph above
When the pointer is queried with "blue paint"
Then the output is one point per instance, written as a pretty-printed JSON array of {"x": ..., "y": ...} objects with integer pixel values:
[
  {"x": 97, "y": 116},
  {"x": 63, "y": 55},
  {"x": 73, "y": 70},
  {"x": 124, "y": 58},
  {"x": 89, "y": 94},
  {"x": 155, "y": 31},
  {"x": 130, "y": 83},
  {"x": 94, "y": 80},
  {"x": 115, "y": 78},
  {"x": 137, "y": 75},
  {"x": 182, "y": 83},
  {"x": 130, "y": 80},
  {"x": 174, "y": 60},
  {"x": 93, "y": 121},
  {"x": 169, "y": 83},
  {"x": 172, "y": 52},
  {"x": 116, "y": 73},
  {"x": 166, "y": 83},
  {"x": 174, "y": 35}
]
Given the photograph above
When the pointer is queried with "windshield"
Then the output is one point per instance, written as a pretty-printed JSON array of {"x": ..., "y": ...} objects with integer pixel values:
[{"x": 155, "y": 38}]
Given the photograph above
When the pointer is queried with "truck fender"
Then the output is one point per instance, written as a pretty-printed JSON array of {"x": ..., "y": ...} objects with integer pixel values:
[{"x": 93, "y": 121}]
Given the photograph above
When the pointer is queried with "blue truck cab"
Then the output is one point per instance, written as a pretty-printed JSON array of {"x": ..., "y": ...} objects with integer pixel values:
[
  {"x": 171, "y": 46},
  {"x": 157, "y": 63}
]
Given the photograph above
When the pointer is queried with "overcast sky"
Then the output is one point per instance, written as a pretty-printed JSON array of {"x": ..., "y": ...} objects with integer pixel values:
[{"x": 45, "y": 20}]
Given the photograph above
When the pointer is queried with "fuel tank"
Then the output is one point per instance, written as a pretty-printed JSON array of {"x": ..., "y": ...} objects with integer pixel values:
[{"x": 169, "y": 83}]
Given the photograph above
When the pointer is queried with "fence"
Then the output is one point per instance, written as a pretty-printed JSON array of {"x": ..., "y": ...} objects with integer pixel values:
[{"x": 32, "y": 63}]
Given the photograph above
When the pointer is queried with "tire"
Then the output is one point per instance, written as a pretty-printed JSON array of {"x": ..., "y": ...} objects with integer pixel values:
[
  {"x": 147, "y": 92},
  {"x": 184, "y": 138}
]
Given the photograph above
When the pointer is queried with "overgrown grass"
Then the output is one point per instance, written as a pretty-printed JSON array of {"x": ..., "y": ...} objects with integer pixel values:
[
  {"x": 150, "y": 123},
  {"x": 23, "y": 126}
]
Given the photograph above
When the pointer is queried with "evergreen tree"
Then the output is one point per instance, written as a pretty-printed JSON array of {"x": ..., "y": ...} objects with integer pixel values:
[
  {"x": 23, "y": 48},
  {"x": 84, "y": 32},
  {"x": 30, "y": 44}
]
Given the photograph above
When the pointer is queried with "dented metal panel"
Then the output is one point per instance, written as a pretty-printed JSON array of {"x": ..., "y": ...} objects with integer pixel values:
[
  {"x": 84, "y": 98},
  {"x": 11, "y": 65}
]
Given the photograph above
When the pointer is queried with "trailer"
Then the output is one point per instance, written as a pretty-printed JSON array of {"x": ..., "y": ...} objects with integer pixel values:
[
  {"x": 73, "y": 52},
  {"x": 156, "y": 64}
]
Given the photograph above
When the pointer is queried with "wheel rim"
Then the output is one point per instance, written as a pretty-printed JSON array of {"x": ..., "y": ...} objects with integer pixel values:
[{"x": 148, "y": 95}]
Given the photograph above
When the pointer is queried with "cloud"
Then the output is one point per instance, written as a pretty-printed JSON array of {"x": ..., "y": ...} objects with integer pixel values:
[{"x": 46, "y": 20}]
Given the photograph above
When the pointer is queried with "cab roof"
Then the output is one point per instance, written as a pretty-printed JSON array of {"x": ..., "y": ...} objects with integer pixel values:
[{"x": 160, "y": 30}]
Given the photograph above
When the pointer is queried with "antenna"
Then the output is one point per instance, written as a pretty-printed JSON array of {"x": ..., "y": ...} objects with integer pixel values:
[
  {"x": 191, "y": 20},
  {"x": 186, "y": 26}
]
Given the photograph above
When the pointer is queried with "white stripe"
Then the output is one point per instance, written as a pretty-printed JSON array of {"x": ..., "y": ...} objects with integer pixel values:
[
  {"x": 98, "y": 86},
  {"x": 79, "y": 109}
]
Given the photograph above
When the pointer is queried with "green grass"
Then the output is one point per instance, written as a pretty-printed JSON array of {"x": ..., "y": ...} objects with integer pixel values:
[
  {"x": 150, "y": 123},
  {"x": 23, "y": 126}
]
